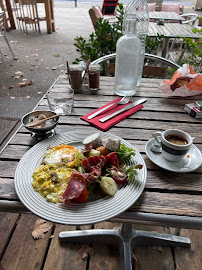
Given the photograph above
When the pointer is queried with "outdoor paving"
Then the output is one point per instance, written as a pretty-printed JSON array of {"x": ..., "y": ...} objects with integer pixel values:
[{"x": 42, "y": 57}]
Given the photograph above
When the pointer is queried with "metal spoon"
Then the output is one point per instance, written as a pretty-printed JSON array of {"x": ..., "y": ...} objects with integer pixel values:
[{"x": 156, "y": 148}]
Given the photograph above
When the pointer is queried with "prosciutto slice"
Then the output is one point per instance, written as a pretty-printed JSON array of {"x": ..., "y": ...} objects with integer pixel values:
[
  {"x": 77, "y": 183},
  {"x": 93, "y": 167}
]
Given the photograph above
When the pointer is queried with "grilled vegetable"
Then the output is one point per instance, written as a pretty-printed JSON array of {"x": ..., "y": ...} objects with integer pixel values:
[{"x": 108, "y": 185}]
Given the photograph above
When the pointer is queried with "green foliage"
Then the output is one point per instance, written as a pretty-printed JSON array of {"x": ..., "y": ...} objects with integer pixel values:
[
  {"x": 151, "y": 44},
  {"x": 193, "y": 53}
]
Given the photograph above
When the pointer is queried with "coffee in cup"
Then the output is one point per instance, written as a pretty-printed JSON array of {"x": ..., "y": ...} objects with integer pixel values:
[{"x": 175, "y": 143}]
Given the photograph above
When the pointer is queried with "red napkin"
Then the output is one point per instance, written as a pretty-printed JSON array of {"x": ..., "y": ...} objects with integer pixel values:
[{"x": 106, "y": 125}]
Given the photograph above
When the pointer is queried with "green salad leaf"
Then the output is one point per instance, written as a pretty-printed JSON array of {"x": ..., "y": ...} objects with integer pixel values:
[{"x": 125, "y": 153}]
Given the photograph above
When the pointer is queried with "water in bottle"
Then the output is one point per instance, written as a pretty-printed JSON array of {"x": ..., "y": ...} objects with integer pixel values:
[
  {"x": 140, "y": 9},
  {"x": 128, "y": 50}
]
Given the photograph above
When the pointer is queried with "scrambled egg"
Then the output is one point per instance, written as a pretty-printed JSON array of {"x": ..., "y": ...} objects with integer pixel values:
[
  {"x": 51, "y": 182},
  {"x": 61, "y": 155}
]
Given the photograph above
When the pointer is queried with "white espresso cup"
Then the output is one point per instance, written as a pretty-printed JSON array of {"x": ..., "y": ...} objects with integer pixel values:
[{"x": 175, "y": 143}]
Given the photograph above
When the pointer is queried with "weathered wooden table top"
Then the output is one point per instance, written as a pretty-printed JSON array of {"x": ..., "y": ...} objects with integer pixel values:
[
  {"x": 166, "y": 193},
  {"x": 173, "y": 30},
  {"x": 165, "y": 15}
]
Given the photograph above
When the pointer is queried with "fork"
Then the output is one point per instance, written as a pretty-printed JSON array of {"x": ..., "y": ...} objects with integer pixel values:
[{"x": 123, "y": 101}]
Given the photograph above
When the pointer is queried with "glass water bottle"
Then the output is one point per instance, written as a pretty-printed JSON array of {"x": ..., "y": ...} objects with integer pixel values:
[{"x": 128, "y": 51}]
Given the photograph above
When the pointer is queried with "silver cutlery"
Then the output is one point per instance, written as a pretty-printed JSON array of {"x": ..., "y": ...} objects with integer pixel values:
[
  {"x": 139, "y": 101},
  {"x": 123, "y": 101}
]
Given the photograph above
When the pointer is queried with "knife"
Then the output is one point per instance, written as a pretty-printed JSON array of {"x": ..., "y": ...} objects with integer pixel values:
[{"x": 139, "y": 101}]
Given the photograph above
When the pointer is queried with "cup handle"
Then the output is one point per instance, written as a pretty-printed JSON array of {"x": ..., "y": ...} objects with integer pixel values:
[{"x": 157, "y": 136}]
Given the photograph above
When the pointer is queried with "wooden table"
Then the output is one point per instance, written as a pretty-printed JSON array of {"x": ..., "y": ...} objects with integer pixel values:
[
  {"x": 169, "y": 199},
  {"x": 49, "y": 10},
  {"x": 167, "y": 16},
  {"x": 172, "y": 30}
]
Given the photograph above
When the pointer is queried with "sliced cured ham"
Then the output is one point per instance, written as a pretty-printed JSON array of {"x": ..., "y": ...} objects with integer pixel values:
[
  {"x": 76, "y": 185},
  {"x": 93, "y": 167}
]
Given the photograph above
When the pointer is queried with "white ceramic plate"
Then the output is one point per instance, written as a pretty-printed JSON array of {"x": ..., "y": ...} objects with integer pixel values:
[
  {"x": 189, "y": 163},
  {"x": 75, "y": 214}
]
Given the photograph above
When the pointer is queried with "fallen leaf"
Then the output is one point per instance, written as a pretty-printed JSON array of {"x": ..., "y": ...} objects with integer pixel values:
[
  {"x": 24, "y": 80},
  {"x": 54, "y": 68},
  {"x": 20, "y": 73},
  {"x": 5, "y": 54},
  {"x": 22, "y": 84},
  {"x": 10, "y": 65},
  {"x": 40, "y": 228},
  {"x": 31, "y": 69},
  {"x": 35, "y": 55},
  {"x": 56, "y": 55},
  {"x": 86, "y": 250},
  {"x": 11, "y": 86},
  {"x": 16, "y": 77},
  {"x": 15, "y": 58},
  {"x": 12, "y": 76}
]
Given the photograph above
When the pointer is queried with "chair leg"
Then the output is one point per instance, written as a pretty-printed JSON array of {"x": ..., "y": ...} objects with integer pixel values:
[
  {"x": 9, "y": 47},
  {"x": 37, "y": 17},
  {"x": 2, "y": 57}
]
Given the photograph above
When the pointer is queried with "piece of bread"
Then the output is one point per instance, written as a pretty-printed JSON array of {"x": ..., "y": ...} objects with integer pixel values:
[{"x": 180, "y": 82}]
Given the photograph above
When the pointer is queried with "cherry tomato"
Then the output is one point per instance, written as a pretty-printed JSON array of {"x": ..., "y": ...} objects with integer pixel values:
[
  {"x": 113, "y": 160},
  {"x": 83, "y": 197}
]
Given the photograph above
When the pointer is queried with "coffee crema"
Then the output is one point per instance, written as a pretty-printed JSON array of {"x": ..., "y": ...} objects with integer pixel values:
[{"x": 175, "y": 139}]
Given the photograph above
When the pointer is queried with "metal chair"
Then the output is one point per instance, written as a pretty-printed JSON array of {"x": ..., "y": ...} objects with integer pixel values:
[
  {"x": 158, "y": 71},
  {"x": 189, "y": 18},
  {"x": 3, "y": 34}
]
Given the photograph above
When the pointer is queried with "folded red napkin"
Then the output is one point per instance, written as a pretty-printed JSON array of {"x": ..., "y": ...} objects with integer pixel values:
[{"x": 106, "y": 125}]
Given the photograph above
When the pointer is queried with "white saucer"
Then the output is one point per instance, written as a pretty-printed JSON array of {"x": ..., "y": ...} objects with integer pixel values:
[{"x": 189, "y": 163}]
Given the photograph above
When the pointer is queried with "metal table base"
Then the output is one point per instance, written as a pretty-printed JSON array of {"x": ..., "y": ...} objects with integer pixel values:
[{"x": 126, "y": 238}]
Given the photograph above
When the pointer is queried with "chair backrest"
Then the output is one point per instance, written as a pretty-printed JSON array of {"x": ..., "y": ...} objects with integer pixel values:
[
  {"x": 152, "y": 6},
  {"x": 148, "y": 70},
  {"x": 98, "y": 12},
  {"x": 95, "y": 15},
  {"x": 171, "y": 7},
  {"x": 109, "y": 7}
]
